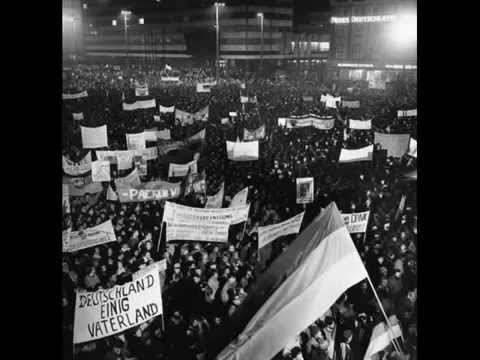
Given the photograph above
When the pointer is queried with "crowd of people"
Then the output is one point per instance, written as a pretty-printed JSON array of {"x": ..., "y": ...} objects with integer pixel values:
[{"x": 204, "y": 283}]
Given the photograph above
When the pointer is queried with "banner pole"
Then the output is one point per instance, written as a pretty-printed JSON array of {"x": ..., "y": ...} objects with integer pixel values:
[
  {"x": 395, "y": 345},
  {"x": 160, "y": 238}
]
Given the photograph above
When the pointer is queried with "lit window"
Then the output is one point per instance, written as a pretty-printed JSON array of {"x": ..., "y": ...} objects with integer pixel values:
[{"x": 85, "y": 6}]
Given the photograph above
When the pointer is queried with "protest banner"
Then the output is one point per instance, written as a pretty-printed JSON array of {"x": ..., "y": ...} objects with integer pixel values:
[
  {"x": 77, "y": 168},
  {"x": 320, "y": 122},
  {"x": 330, "y": 101},
  {"x": 216, "y": 200},
  {"x": 166, "y": 109},
  {"x": 266, "y": 234},
  {"x": 139, "y": 105},
  {"x": 305, "y": 190},
  {"x": 100, "y": 171},
  {"x": 246, "y": 99},
  {"x": 140, "y": 163},
  {"x": 257, "y": 134},
  {"x": 202, "y": 114},
  {"x": 362, "y": 154},
  {"x": 205, "y": 87},
  {"x": 136, "y": 141},
  {"x": 141, "y": 89},
  {"x": 395, "y": 144},
  {"x": 412, "y": 147},
  {"x": 167, "y": 147},
  {"x": 356, "y": 222},
  {"x": 150, "y": 134},
  {"x": 80, "y": 186},
  {"x": 407, "y": 113},
  {"x": 170, "y": 78},
  {"x": 307, "y": 98},
  {"x": 242, "y": 151},
  {"x": 77, "y": 116},
  {"x": 94, "y": 137},
  {"x": 180, "y": 170},
  {"x": 131, "y": 180},
  {"x": 233, "y": 114},
  {"x": 111, "y": 311},
  {"x": 225, "y": 121},
  {"x": 184, "y": 117},
  {"x": 164, "y": 134},
  {"x": 156, "y": 118},
  {"x": 211, "y": 232},
  {"x": 282, "y": 122},
  {"x": 360, "y": 124},
  {"x": 74, "y": 95},
  {"x": 149, "y": 191},
  {"x": 65, "y": 199},
  {"x": 240, "y": 198},
  {"x": 351, "y": 104},
  {"x": 90, "y": 237}
]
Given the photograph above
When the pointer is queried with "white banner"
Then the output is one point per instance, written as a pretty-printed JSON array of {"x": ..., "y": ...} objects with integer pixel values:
[
  {"x": 317, "y": 121},
  {"x": 224, "y": 121},
  {"x": 140, "y": 104},
  {"x": 74, "y": 96},
  {"x": 111, "y": 311},
  {"x": 233, "y": 114},
  {"x": 77, "y": 116},
  {"x": 330, "y": 101},
  {"x": 141, "y": 89},
  {"x": 131, "y": 180},
  {"x": 111, "y": 195},
  {"x": 100, "y": 171},
  {"x": 406, "y": 113},
  {"x": 156, "y": 118},
  {"x": 205, "y": 87},
  {"x": 356, "y": 222},
  {"x": 305, "y": 190},
  {"x": 255, "y": 134},
  {"x": 95, "y": 137},
  {"x": 362, "y": 154},
  {"x": 167, "y": 109},
  {"x": 66, "y": 198},
  {"x": 266, "y": 234},
  {"x": 360, "y": 124},
  {"x": 184, "y": 117},
  {"x": 242, "y": 151},
  {"x": 412, "y": 147},
  {"x": 77, "y": 168},
  {"x": 164, "y": 134},
  {"x": 240, "y": 198},
  {"x": 170, "y": 78},
  {"x": 351, "y": 104},
  {"x": 246, "y": 99},
  {"x": 136, "y": 141},
  {"x": 202, "y": 114},
  {"x": 94, "y": 236},
  {"x": 180, "y": 170},
  {"x": 150, "y": 135},
  {"x": 215, "y": 201}
]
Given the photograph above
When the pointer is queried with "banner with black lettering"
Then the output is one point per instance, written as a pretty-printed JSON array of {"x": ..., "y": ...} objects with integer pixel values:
[
  {"x": 79, "y": 95},
  {"x": 140, "y": 105},
  {"x": 111, "y": 311},
  {"x": 131, "y": 180},
  {"x": 164, "y": 134},
  {"x": 174, "y": 79},
  {"x": 330, "y": 101},
  {"x": 136, "y": 141},
  {"x": 205, "y": 87},
  {"x": 266, "y": 234},
  {"x": 94, "y": 137},
  {"x": 149, "y": 191},
  {"x": 351, "y": 104},
  {"x": 100, "y": 171},
  {"x": 356, "y": 222},
  {"x": 395, "y": 144},
  {"x": 167, "y": 109},
  {"x": 141, "y": 89},
  {"x": 257, "y": 134},
  {"x": 362, "y": 154},
  {"x": 77, "y": 168},
  {"x": 87, "y": 238},
  {"x": 305, "y": 190},
  {"x": 242, "y": 151},
  {"x": 321, "y": 122},
  {"x": 406, "y": 113},
  {"x": 360, "y": 124}
]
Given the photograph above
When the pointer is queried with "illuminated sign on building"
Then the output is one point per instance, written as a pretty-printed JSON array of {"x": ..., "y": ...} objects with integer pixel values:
[
  {"x": 363, "y": 19},
  {"x": 355, "y": 65},
  {"x": 406, "y": 67}
]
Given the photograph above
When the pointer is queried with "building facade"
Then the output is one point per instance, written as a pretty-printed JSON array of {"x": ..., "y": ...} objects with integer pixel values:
[{"x": 72, "y": 28}]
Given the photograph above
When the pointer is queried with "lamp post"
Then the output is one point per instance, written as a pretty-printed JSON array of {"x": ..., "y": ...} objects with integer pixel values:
[
  {"x": 260, "y": 15},
  {"x": 217, "y": 28},
  {"x": 125, "y": 14}
]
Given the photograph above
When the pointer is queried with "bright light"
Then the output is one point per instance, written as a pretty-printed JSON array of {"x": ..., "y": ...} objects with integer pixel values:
[
  {"x": 141, "y": 21},
  {"x": 404, "y": 30},
  {"x": 260, "y": 14},
  {"x": 125, "y": 12},
  {"x": 114, "y": 22},
  {"x": 219, "y": 4},
  {"x": 67, "y": 18}
]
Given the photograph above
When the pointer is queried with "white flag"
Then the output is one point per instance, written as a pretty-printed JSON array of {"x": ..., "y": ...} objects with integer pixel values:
[
  {"x": 240, "y": 199},
  {"x": 382, "y": 335}
]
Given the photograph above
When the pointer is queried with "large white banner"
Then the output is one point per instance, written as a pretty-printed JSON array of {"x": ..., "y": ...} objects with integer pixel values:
[
  {"x": 320, "y": 122},
  {"x": 149, "y": 191},
  {"x": 150, "y": 135},
  {"x": 360, "y": 124},
  {"x": 215, "y": 201},
  {"x": 305, "y": 190},
  {"x": 212, "y": 231},
  {"x": 100, "y": 171},
  {"x": 111, "y": 311},
  {"x": 136, "y": 141},
  {"x": 140, "y": 104},
  {"x": 77, "y": 116},
  {"x": 205, "y": 87},
  {"x": 254, "y": 134},
  {"x": 362, "y": 154},
  {"x": 77, "y": 168},
  {"x": 180, "y": 170},
  {"x": 141, "y": 89},
  {"x": 406, "y": 113},
  {"x": 94, "y": 236},
  {"x": 412, "y": 147},
  {"x": 166, "y": 109},
  {"x": 242, "y": 151},
  {"x": 74, "y": 96},
  {"x": 266, "y": 234},
  {"x": 330, "y": 101},
  {"x": 356, "y": 222},
  {"x": 240, "y": 198},
  {"x": 170, "y": 78},
  {"x": 93, "y": 138},
  {"x": 131, "y": 180}
]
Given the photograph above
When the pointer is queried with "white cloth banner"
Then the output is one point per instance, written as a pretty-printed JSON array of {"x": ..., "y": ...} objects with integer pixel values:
[
  {"x": 205, "y": 87},
  {"x": 184, "y": 117},
  {"x": 150, "y": 135},
  {"x": 95, "y": 137},
  {"x": 266, "y": 234},
  {"x": 255, "y": 134},
  {"x": 362, "y": 154},
  {"x": 74, "y": 96},
  {"x": 111, "y": 311},
  {"x": 131, "y": 180},
  {"x": 246, "y": 99},
  {"x": 156, "y": 118},
  {"x": 100, "y": 171},
  {"x": 412, "y": 147},
  {"x": 141, "y": 89},
  {"x": 170, "y": 78},
  {"x": 136, "y": 141},
  {"x": 167, "y": 109},
  {"x": 305, "y": 190},
  {"x": 242, "y": 151},
  {"x": 356, "y": 222},
  {"x": 164, "y": 134},
  {"x": 215, "y": 201},
  {"x": 77, "y": 168},
  {"x": 406, "y": 113},
  {"x": 316, "y": 121},
  {"x": 224, "y": 121},
  {"x": 330, "y": 101},
  {"x": 202, "y": 114},
  {"x": 360, "y": 124},
  {"x": 140, "y": 104},
  {"x": 232, "y": 114},
  {"x": 351, "y": 104},
  {"x": 180, "y": 170},
  {"x": 111, "y": 195},
  {"x": 94, "y": 236},
  {"x": 240, "y": 198},
  {"x": 77, "y": 116}
]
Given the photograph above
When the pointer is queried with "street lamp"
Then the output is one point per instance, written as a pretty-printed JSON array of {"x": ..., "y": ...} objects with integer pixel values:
[
  {"x": 260, "y": 15},
  {"x": 126, "y": 14},
  {"x": 217, "y": 27}
]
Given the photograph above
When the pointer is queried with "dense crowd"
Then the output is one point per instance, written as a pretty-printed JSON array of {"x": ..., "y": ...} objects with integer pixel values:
[{"x": 204, "y": 283}]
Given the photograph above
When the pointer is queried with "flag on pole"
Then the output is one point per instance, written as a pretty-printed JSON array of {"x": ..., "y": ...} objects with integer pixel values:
[
  {"x": 240, "y": 198},
  {"x": 318, "y": 267},
  {"x": 382, "y": 336}
]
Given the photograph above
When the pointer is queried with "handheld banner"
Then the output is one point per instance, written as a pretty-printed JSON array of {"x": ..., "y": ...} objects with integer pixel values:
[{"x": 305, "y": 190}]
